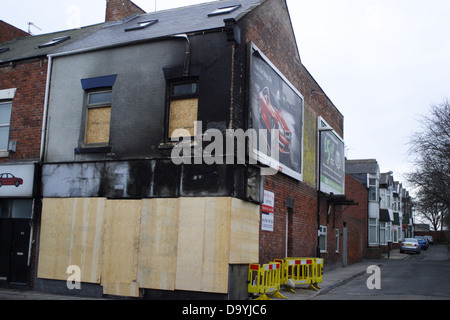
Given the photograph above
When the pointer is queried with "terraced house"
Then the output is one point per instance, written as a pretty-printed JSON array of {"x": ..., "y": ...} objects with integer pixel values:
[
  {"x": 124, "y": 97},
  {"x": 23, "y": 79}
]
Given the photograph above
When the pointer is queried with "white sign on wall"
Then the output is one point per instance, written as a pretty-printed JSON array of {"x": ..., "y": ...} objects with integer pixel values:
[
  {"x": 267, "y": 221},
  {"x": 17, "y": 181},
  {"x": 268, "y": 209}
]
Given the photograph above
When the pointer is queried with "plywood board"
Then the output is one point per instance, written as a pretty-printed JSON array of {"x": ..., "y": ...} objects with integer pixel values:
[
  {"x": 98, "y": 125},
  {"x": 122, "y": 289},
  {"x": 158, "y": 244},
  {"x": 71, "y": 234},
  {"x": 183, "y": 115},
  {"x": 120, "y": 246},
  {"x": 55, "y": 238},
  {"x": 190, "y": 244},
  {"x": 87, "y": 240},
  {"x": 216, "y": 254},
  {"x": 203, "y": 245},
  {"x": 244, "y": 238}
]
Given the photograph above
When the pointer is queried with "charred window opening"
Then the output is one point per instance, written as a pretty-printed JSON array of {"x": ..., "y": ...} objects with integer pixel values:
[
  {"x": 182, "y": 108},
  {"x": 98, "y": 118}
]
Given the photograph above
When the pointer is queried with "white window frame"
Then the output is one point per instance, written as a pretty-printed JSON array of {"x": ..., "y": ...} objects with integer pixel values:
[
  {"x": 395, "y": 235},
  {"x": 376, "y": 231},
  {"x": 383, "y": 229},
  {"x": 323, "y": 233},
  {"x": 373, "y": 186},
  {"x": 6, "y": 125},
  {"x": 89, "y": 106},
  {"x": 388, "y": 231}
]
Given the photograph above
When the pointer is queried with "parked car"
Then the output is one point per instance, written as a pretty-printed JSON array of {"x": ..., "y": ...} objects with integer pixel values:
[
  {"x": 7, "y": 179},
  {"x": 423, "y": 242},
  {"x": 430, "y": 239},
  {"x": 410, "y": 245},
  {"x": 273, "y": 118}
]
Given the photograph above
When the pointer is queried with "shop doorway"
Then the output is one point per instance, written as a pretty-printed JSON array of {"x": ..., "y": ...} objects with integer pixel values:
[
  {"x": 15, "y": 229},
  {"x": 14, "y": 247}
]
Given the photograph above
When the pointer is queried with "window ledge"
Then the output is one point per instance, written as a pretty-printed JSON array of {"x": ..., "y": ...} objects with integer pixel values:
[{"x": 91, "y": 150}]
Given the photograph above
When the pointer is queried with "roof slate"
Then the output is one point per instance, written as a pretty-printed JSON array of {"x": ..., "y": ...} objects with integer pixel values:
[
  {"x": 170, "y": 22},
  {"x": 28, "y": 47},
  {"x": 361, "y": 166}
]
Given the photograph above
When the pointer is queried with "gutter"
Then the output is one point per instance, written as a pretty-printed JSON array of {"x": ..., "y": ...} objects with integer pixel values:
[{"x": 136, "y": 42}]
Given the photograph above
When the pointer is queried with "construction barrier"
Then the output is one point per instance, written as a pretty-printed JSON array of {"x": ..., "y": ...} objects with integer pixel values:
[
  {"x": 265, "y": 280},
  {"x": 299, "y": 271}
]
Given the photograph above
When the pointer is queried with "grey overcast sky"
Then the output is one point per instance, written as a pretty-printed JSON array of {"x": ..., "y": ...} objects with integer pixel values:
[{"x": 382, "y": 62}]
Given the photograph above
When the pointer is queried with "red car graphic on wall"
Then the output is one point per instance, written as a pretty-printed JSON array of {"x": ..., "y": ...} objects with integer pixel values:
[
  {"x": 273, "y": 118},
  {"x": 7, "y": 179}
]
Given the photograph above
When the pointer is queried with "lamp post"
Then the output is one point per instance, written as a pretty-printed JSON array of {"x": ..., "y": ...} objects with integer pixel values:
[{"x": 326, "y": 129}]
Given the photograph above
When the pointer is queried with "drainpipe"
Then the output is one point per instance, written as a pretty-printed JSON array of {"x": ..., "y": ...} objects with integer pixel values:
[
  {"x": 44, "y": 119},
  {"x": 187, "y": 56}
]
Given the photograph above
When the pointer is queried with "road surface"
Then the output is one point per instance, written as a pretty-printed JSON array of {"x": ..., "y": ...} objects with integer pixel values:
[{"x": 424, "y": 276}]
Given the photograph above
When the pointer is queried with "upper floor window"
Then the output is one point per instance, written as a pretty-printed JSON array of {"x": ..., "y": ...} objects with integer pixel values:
[
  {"x": 373, "y": 194},
  {"x": 95, "y": 136},
  {"x": 98, "y": 119},
  {"x": 5, "y": 119},
  {"x": 183, "y": 109}
]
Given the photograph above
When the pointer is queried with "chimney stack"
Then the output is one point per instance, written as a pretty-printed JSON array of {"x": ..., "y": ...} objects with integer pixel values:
[
  {"x": 9, "y": 32},
  {"x": 117, "y": 10}
]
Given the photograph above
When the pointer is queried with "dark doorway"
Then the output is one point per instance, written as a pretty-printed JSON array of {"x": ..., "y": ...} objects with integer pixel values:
[{"x": 14, "y": 247}]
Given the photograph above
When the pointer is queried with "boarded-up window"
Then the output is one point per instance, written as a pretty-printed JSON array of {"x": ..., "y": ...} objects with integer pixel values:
[
  {"x": 183, "y": 115},
  {"x": 98, "y": 121},
  {"x": 183, "y": 109},
  {"x": 98, "y": 125}
]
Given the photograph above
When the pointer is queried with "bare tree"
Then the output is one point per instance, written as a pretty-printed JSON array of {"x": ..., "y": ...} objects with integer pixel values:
[{"x": 430, "y": 153}]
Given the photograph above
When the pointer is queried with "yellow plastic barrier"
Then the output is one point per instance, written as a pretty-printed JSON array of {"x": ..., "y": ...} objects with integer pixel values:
[
  {"x": 318, "y": 272},
  {"x": 302, "y": 271},
  {"x": 265, "y": 280}
]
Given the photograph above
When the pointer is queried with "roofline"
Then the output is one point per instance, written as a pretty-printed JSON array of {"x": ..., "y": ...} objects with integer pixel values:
[
  {"x": 44, "y": 54},
  {"x": 318, "y": 85},
  {"x": 244, "y": 13},
  {"x": 131, "y": 43}
]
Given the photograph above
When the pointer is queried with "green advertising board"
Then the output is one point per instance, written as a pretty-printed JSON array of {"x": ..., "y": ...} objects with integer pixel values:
[{"x": 332, "y": 161}]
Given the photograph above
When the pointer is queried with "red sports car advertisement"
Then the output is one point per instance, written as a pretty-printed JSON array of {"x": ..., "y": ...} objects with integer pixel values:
[{"x": 276, "y": 104}]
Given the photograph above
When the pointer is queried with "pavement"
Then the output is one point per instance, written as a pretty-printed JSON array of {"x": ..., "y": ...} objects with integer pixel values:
[
  {"x": 331, "y": 279},
  {"x": 340, "y": 276}
]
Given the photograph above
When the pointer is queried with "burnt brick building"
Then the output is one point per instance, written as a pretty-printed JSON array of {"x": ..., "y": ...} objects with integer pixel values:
[{"x": 121, "y": 97}]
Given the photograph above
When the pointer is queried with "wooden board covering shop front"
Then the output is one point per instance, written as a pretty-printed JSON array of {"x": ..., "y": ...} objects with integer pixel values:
[
  {"x": 158, "y": 244},
  {"x": 71, "y": 234},
  {"x": 163, "y": 244},
  {"x": 120, "y": 247},
  {"x": 203, "y": 245}
]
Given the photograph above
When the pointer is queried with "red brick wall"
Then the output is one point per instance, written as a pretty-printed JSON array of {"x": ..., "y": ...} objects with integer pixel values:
[
  {"x": 9, "y": 32},
  {"x": 117, "y": 10},
  {"x": 28, "y": 106},
  {"x": 302, "y": 221},
  {"x": 357, "y": 219},
  {"x": 269, "y": 27}
]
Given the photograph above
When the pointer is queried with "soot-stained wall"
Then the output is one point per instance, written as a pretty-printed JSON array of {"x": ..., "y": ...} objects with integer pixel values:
[
  {"x": 139, "y": 95},
  {"x": 138, "y": 164}
]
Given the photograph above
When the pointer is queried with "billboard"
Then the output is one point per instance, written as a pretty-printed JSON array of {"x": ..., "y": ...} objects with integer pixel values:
[
  {"x": 332, "y": 161},
  {"x": 276, "y": 107}
]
